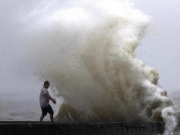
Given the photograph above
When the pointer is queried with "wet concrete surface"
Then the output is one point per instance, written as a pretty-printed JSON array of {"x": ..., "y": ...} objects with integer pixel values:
[{"x": 78, "y": 128}]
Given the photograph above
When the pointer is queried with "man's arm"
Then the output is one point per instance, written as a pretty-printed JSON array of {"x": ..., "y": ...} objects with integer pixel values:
[{"x": 50, "y": 98}]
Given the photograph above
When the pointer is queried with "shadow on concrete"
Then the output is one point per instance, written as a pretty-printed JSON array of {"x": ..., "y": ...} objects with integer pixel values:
[{"x": 77, "y": 128}]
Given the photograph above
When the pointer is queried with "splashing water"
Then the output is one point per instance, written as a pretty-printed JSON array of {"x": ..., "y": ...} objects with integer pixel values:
[{"x": 87, "y": 51}]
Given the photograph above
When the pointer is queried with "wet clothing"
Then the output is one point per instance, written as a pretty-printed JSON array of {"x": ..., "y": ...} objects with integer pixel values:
[
  {"x": 47, "y": 109},
  {"x": 44, "y": 101}
]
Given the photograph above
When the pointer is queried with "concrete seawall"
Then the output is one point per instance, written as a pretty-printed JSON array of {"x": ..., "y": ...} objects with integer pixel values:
[{"x": 97, "y": 128}]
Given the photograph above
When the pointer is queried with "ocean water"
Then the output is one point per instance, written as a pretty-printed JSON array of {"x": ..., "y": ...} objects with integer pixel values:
[{"x": 87, "y": 50}]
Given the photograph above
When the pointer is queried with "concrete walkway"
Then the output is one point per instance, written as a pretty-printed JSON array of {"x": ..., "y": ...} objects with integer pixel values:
[{"x": 96, "y": 128}]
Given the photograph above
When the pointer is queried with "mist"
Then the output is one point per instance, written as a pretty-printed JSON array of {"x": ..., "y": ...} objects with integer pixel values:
[{"x": 22, "y": 21}]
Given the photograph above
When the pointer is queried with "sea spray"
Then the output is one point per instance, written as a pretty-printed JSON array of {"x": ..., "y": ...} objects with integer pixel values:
[{"x": 87, "y": 51}]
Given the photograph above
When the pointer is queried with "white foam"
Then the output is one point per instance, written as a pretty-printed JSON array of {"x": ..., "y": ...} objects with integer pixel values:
[{"x": 87, "y": 51}]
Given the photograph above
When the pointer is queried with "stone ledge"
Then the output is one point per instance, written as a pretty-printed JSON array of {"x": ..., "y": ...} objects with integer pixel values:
[{"x": 92, "y": 128}]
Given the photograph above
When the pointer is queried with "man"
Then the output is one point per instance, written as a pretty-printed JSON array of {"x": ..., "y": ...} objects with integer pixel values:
[{"x": 44, "y": 98}]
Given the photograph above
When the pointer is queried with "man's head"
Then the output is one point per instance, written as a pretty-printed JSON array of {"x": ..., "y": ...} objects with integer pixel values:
[{"x": 46, "y": 84}]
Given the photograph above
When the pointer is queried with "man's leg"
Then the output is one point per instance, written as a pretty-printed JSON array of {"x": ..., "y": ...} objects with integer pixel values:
[
  {"x": 51, "y": 112},
  {"x": 51, "y": 117},
  {"x": 41, "y": 118},
  {"x": 44, "y": 112}
]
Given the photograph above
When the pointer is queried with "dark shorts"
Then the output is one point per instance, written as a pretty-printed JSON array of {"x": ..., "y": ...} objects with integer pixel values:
[{"x": 47, "y": 109}]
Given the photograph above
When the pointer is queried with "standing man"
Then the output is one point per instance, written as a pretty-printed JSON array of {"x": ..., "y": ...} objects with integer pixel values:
[{"x": 44, "y": 98}]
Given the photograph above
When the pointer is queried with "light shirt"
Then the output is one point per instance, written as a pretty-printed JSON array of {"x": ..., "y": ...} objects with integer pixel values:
[{"x": 44, "y": 101}]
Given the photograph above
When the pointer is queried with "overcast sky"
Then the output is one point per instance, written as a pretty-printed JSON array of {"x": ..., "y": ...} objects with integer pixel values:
[{"x": 159, "y": 48}]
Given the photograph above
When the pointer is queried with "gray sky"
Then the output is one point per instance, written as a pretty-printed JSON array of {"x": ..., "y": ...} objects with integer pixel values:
[{"x": 159, "y": 48}]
